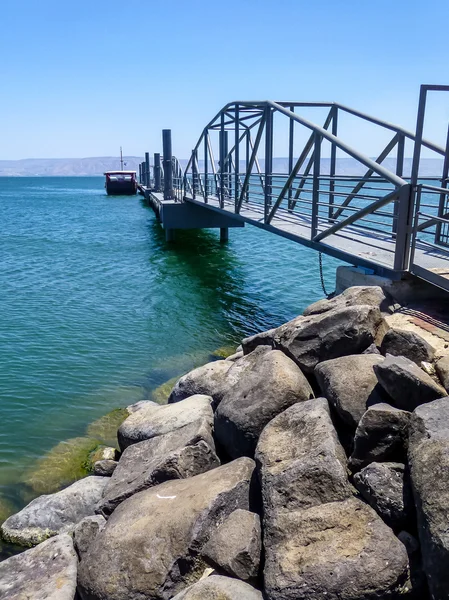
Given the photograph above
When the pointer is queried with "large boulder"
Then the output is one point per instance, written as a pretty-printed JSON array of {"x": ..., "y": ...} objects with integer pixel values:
[
  {"x": 264, "y": 338},
  {"x": 407, "y": 384},
  {"x": 259, "y": 386},
  {"x": 350, "y": 385},
  {"x": 47, "y": 572},
  {"x": 372, "y": 295},
  {"x": 335, "y": 551},
  {"x": 339, "y": 332},
  {"x": 85, "y": 532},
  {"x": 150, "y": 547},
  {"x": 381, "y": 435},
  {"x": 300, "y": 460},
  {"x": 49, "y": 515},
  {"x": 236, "y": 545},
  {"x": 179, "y": 454},
  {"x": 442, "y": 369},
  {"x": 386, "y": 488},
  {"x": 218, "y": 587},
  {"x": 429, "y": 470},
  {"x": 401, "y": 342},
  {"x": 208, "y": 380},
  {"x": 152, "y": 419}
]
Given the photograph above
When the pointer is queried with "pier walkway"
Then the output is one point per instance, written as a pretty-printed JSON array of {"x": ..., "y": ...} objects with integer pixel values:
[{"x": 380, "y": 214}]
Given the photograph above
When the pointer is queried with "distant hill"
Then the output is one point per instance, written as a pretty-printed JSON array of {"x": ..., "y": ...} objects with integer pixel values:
[{"x": 70, "y": 167}]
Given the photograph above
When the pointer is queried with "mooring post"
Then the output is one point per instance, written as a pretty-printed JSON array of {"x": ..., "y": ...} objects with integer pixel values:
[
  {"x": 167, "y": 161},
  {"x": 224, "y": 234},
  {"x": 140, "y": 172},
  {"x": 157, "y": 172},
  {"x": 169, "y": 235},
  {"x": 147, "y": 169}
]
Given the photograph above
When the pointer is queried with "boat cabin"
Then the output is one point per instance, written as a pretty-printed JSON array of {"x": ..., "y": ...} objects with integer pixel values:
[{"x": 121, "y": 183}]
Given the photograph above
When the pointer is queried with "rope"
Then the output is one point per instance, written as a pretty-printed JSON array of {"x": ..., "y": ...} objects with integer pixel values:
[{"x": 323, "y": 287}]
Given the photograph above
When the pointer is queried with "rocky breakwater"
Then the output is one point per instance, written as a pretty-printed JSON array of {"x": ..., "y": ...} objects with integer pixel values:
[{"x": 310, "y": 465}]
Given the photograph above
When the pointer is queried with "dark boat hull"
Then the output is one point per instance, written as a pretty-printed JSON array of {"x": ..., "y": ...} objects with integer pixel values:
[{"x": 121, "y": 188}]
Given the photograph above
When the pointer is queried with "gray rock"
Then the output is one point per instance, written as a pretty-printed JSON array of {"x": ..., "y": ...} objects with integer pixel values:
[
  {"x": 372, "y": 349},
  {"x": 387, "y": 489},
  {"x": 416, "y": 586},
  {"x": 300, "y": 460},
  {"x": 350, "y": 385},
  {"x": 236, "y": 545},
  {"x": 179, "y": 454},
  {"x": 207, "y": 379},
  {"x": 49, "y": 515},
  {"x": 429, "y": 470},
  {"x": 85, "y": 532},
  {"x": 217, "y": 587},
  {"x": 264, "y": 338},
  {"x": 406, "y": 383},
  {"x": 235, "y": 356},
  {"x": 47, "y": 572},
  {"x": 105, "y": 468},
  {"x": 442, "y": 369},
  {"x": 258, "y": 387},
  {"x": 157, "y": 536},
  {"x": 353, "y": 296},
  {"x": 339, "y": 332},
  {"x": 153, "y": 419},
  {"x": 335, "y": 551},
  {"x": 381, "y": 435},
  {"x": 399, "y": 342}
]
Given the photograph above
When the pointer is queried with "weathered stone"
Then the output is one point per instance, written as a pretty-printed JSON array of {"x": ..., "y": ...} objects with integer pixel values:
[
  {"x": 103, "y": 453},
  {"x": 386, "y": 488},
  {"x": 300, "y": 460},
  {"x": 350, "y": 385},
  {"x": 264, "y": 338},
  {"x": 47, "y": 572},
  {"x": 153, "y": 419},
  {"x": 85, "y": 531},
  {"x": 400, "y": 342},
  {"x": 442, "y": 369},
  {"x": 339, "y": 332},
  {"x": 429, "y": 470},
  {"x": 157, "y": 536},
  {"x": 105, "y": 468},
  {"x": 258, "y": 387},
  {"x": 381, "y": 435},
  {"x": 208, "y": 380},
  {"x": 372, "y": 349},
  {"x": 179, "y": 454},
  {"x": 235, "y": 356},
  {"x": 49, "y": 515},
  {"x": 236, "y": 545},
  {"x": 406, "y": 383},
  {"x": 416, "y": 586},
  {"x": 218, "y": 587},
  {"x": 353, "y": 296},
  {"x": 335, "y": 551}
]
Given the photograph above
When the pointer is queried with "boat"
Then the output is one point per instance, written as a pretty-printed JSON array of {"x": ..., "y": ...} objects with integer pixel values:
[{"x": 121, "y": 183}]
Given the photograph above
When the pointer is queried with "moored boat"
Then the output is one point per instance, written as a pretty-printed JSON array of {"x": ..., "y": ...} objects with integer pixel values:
[{"x": 121, "y": 183}]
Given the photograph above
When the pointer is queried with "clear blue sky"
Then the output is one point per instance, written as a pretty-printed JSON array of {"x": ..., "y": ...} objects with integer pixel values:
[{"x": 82, "y": 78}]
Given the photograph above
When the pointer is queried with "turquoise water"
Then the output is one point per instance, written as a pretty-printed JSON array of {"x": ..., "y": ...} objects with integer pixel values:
[{"x": 96, "y": 310}]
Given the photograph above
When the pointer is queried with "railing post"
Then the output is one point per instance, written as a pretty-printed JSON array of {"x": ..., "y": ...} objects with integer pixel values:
[
  {"x": 157, "y": 172},
  {"x": 399, "y": 172},
  {"x": 168, "y": 170},
  {"x": 147, "y": 169},
  {"x": 206, "y": 164},
  {"x": 222, "y": 156},
  {"x": 268, "y": 161},
  {"x": 443, "y": 202},
  {"x": 333, "y": 165},
  {"x": 236, "y": 157},
  {"x": 248, "y": 133},
  {"x": 194, "y": 174},
  {"x": 316, "y": 184},
  {"x": 290, "y": 155},
  {"x": 404, "y": 228}
]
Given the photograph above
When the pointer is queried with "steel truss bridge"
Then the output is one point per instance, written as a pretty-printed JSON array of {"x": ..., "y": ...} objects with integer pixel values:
[{"x": 380, "y": 214}]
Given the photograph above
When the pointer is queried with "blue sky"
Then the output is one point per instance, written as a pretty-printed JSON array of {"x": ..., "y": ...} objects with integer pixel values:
[{"x": 82, "y": 78}]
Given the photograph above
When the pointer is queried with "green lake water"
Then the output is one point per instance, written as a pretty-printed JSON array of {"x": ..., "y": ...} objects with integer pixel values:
[{"x": 97, "y": 310}]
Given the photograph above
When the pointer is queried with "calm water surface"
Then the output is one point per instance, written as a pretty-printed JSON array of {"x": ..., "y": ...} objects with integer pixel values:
[{"x": 96, "y": 310}]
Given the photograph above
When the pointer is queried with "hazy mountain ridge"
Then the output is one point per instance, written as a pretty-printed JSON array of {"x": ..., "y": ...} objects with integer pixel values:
[{"x": 79, "y": 167}]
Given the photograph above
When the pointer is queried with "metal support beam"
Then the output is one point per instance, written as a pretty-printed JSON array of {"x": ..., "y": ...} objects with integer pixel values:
[
  {"x": 404, "y": 229},
  {"x": 291, "y": 138},
  {"x": 316, "y": 185},
  {"x": 168, "y": 170},
  {"x": 206, "y": 164},
  {"x": 333, "y": 165},
  {"x": 236, "y": 156},
  {"x": 268, "y": 161},
  {"x": 224, "y": 234},
  {"x": 169, "y": 235}
]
